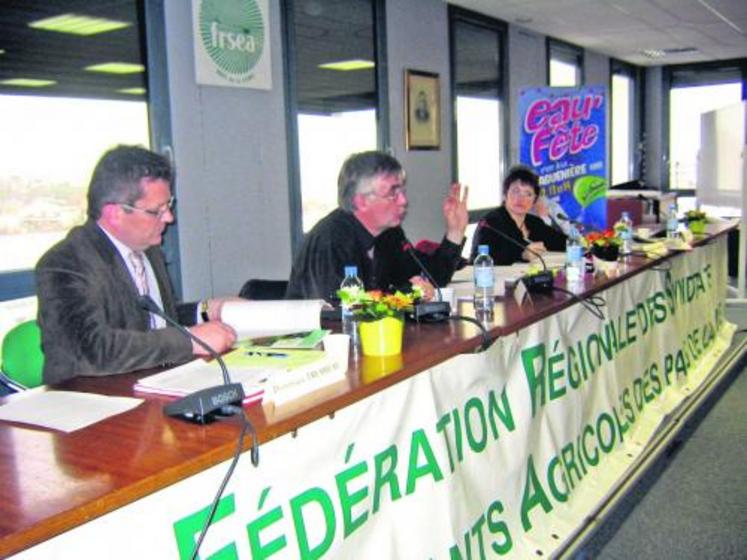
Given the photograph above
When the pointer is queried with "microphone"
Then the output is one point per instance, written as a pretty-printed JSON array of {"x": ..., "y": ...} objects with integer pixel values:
[
  {"x": 201, "y": 406},
  {"x": 540, "y": 282},
  {"x": 427, "y": 311}
]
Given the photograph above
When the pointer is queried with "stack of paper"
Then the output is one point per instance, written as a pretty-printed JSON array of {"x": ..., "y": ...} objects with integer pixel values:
[
  {"x": 259, "y": 369},
  {"x": 254, "y": 319}
]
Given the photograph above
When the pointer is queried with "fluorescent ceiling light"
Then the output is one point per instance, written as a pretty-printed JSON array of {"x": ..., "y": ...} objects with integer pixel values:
[
  {"x": 347, "y": 65},
  {"x": 653, "y": 53},
  {"x": 78, "y": 24},
  {"x": 132, "y": 91},
  {"x": 27, "y": 82},
  {"x": 116, "y": 68}
]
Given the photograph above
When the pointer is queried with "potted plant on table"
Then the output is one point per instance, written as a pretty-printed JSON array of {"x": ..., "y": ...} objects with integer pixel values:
[
  {"x": 604, "y": 247},
  {"x": 380, "y": 318},
  {"x": 696, "y": 220}
]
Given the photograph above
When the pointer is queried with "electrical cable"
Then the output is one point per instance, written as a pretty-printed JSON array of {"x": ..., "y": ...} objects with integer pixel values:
[
  {"x": 593, "y": 304},
  {"x": 485, "y": 336},
  {"x": 246, "y": 425}
]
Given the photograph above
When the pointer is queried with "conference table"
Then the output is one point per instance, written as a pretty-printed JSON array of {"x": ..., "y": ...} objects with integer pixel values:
[{"x": 114, "y": 481}]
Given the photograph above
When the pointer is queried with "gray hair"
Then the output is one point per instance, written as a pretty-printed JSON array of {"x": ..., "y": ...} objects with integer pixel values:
[
  {"x": 117, "y": 176},
  {"x": 358, "y": 170}
]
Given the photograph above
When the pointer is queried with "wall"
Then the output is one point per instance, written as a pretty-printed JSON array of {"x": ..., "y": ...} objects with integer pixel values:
[
  {"x": 527, "y": 67},
  {"x": 655, "y": 159},
  {"x": 232, "y": 184},
  {"x": 418, "y": 39}
]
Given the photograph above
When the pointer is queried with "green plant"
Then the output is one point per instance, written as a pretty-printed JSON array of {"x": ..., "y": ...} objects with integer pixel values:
[
  {"x": 374, "y": 304},
  {"x": 695, "y": 216}
]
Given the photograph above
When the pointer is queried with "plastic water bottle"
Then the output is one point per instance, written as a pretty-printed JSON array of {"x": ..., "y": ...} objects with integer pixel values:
[
  {"x": 574, "y": 256},
  {"x": 625, "y": 228},
  {"x": 672, "y": 222},
  {"x": 483, "y": 280},
  {"x": 351, "y": 284}
]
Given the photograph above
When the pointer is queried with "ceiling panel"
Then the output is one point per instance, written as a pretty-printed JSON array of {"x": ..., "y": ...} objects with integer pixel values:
[{"x": 624, "y": 28}]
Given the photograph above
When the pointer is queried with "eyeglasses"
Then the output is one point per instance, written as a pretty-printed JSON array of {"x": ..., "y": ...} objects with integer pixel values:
[
  {"x": 159, "y": 212},
  {"x": 516, "y": 193},
  {"x": 392, "y": 195}
]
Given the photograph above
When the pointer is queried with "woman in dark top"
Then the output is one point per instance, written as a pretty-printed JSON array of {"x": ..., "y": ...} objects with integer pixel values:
[{"x": 512, "y": 219}]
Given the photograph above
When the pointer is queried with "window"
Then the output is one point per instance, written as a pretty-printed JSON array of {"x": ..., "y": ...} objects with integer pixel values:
[
  {"x": 624, "y": 130},
  {"x": 693, "y": 90},
  {"x": 566, "y": 64},
  {"x": 477, "y": 71},
  {"x": 332, "y": 69},
  {"x": 61, "y": 109}
]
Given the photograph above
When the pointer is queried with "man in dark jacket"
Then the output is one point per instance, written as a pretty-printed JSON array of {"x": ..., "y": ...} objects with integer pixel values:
[
  {"x": 365, "y": 232},
  {"x": 89, "y": 283}
]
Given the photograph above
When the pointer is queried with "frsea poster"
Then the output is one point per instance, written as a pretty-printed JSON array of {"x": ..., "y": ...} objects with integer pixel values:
[{"x": 231, "y": 43}]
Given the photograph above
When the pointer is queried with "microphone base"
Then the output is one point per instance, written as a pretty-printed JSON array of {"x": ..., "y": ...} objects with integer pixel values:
[
  {"x": 204, "y": 406},
  {"x": 430, "y": 312},
  {"x": 542, "y": 282}
]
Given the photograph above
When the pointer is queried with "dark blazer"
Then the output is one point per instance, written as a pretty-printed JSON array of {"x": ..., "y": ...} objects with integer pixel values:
[
  {"x": 504, "y": 252},
  {"x": 88, "y": 313},
  {"x": 340, "y": 240}
]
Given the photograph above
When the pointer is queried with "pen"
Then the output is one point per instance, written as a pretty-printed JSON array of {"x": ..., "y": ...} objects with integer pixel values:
[{"x": 267, "y": 354}]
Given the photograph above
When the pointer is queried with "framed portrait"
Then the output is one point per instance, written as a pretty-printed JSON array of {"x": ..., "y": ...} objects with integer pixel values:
[{"x": 423, "y": 106}]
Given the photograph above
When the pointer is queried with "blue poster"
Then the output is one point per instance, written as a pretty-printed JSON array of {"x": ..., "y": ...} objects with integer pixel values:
[{"x": 562, "y": 138}]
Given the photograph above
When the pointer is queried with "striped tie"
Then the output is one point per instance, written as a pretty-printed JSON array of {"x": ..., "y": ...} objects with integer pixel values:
[
  {"x": 141, "y": 279},
  {"x": 138, "y": 265}
]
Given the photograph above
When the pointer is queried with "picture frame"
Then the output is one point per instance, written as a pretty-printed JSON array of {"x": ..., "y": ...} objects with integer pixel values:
[{"x": 422, "y": 110}]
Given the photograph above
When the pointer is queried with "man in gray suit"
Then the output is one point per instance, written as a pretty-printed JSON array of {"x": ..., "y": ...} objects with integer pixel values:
[{"x": 89, "y": 284}]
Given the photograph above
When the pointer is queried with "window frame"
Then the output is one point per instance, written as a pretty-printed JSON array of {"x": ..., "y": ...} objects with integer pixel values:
[
  {"x": 22, "y": 283},
  {"x": 702, "y": 73},
  {"x": 635, "y": 73},
  {"x": 287, "y": 24},
  {"x": 460, "y": 15},
  {"x": 565, "y": 52}
]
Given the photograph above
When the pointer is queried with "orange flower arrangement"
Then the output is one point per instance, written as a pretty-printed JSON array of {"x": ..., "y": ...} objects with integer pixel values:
[
  {"x": 606, "y": 238},
  {"x": 374, "y": 304},
  {"x": 604, "y": 245}
]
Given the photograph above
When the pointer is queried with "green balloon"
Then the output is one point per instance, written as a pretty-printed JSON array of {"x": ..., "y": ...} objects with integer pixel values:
[{"x": 589, "y": 188}]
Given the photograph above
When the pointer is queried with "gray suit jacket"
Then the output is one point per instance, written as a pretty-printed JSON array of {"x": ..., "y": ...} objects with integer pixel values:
[{"x": 88, "y": 313}]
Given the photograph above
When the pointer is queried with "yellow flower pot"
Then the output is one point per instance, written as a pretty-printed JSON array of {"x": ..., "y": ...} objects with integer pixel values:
[
  {"x": 697, "y": 226},
  {"x": 378, "y": 367},
  {"x": 382, "y": 337}
]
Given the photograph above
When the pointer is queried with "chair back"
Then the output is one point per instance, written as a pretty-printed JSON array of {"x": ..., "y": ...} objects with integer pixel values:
[
  {"x": 22, "y": 356},
  {"x": 257, "y": 288}
]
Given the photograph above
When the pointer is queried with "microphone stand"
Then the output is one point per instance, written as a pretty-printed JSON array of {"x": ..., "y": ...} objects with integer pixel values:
[
  {"x": 201, "y": 406},
  {"x": 540, "y": 282},
  {"x": 427, "y": 311}
]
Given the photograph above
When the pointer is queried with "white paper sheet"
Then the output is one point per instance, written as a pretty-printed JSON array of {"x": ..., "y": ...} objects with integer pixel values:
[
  {"x": 254, "y": 319},
  {"x": 66, "y": 411}
]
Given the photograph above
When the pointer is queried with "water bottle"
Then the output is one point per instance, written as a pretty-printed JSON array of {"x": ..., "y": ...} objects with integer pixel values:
[
  {"x": 624, "y": 227},
  {"x": 672, "y": 222},
  {"x": 574, "y": 257},
  {"x": 351, "y": 284},
  {"x": 483, "y": 281}
]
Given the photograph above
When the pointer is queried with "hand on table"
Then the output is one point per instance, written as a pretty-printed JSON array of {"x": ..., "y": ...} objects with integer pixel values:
[
  {"x": 219, "y": 336},
  {"x": 532, "y": 250},
  {"x": 428, "y": 290}
]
